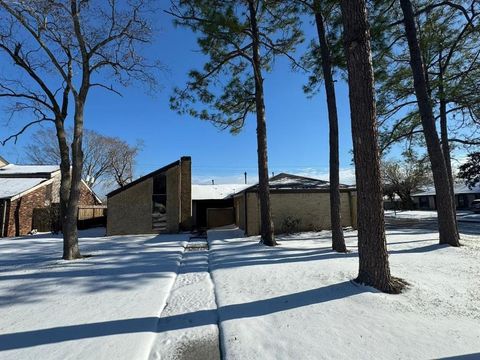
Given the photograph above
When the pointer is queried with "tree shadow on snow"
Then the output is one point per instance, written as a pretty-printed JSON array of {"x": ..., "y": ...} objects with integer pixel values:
[
  {"x": 252, "y": 309},
  {"x": 118, "y": 264}
]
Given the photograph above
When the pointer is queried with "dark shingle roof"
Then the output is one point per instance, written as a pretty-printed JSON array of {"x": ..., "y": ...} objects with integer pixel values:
[{"x": 284, "y": 181}]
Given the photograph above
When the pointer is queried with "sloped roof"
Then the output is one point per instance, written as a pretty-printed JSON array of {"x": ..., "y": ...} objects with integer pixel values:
[
  {"x": 3, "y": 161},
  {"x": 146, "y": 177},
  {"x": 458, "y": 189},
  {"x": 22, "y": 171},
  {"x": 10, "y": 187},
  {"x": 216, "y": 192},
  {"x": 284, "y": 181}
]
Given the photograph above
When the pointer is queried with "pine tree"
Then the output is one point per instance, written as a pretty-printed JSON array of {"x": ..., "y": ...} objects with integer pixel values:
[
  {"x": 374, "y": 267},
  {"x": 324, "y": 58},
  {"x": 445, "y": 202},
  {"x": 241, "y": 40}
]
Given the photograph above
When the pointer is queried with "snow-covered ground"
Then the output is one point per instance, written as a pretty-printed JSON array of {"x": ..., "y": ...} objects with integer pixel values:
[
  {"x": 427, "y": 214},
  {"x": 146, "y": 297},
  {"x": 101, "y": 307},
  {"x": 296, "y": 301}
]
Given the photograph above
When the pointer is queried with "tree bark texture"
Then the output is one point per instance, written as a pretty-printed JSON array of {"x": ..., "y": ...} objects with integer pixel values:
[
  {"x": 71, "y": 249},
  {"x": 267, "y": 231},
  {"x": 374, "y": 267},
  {"x": 338, "y": 241},
  {"x": 445, "y": 205},
  {"x": 444, "y": 136},
  {"x": 65, "y": 176}
]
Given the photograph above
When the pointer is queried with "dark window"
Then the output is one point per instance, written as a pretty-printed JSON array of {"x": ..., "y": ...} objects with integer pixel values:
[
  {"x": 423, "y": 202},
  {"x": 159, "y": 203},
  {"x": 160, "y": 184},
  {"x": 462, "y": 201}
]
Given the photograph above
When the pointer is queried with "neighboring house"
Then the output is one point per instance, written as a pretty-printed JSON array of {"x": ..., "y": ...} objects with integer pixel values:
[
  {"x": 26, "y": 188},
  {"x": 294, "y": 197},
  {"x": 3, "y": 162},
  {"x": 426, "y": 199},
  {"x": 165, "y": 201},
  {"x": 212, "y": 205},
  {"x": 160, "y": 202}
]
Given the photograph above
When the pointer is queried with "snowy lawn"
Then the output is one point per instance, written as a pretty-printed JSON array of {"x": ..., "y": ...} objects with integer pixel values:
[
  {"x": 144, "y": 297},
  {"x": 296, "y": 301},
  {"x": 101, "y": 307},
  {"x": 429, "y": 214}
]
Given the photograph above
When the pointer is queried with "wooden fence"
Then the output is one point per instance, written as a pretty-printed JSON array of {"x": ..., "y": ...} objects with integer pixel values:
[
  {"x": 92, "y": 216},
  {"x": 48, "y": 219}
]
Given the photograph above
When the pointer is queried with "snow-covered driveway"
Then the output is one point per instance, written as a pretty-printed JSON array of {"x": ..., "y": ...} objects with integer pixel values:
[{"x": 102, "y": 307}]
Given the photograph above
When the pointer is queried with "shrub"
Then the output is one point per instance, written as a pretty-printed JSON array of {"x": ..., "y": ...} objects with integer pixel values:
[{"x": 290, "y": 225}]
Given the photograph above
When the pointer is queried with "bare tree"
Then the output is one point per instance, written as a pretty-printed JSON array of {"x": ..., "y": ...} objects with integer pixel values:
[
  {"x": 68, "y": 48},
  {"x": 107, "y": 160},
  {"x": 374, "y": 269},
  {"x": 121, "y": 159},
  {"x": 403, "y": 177}
]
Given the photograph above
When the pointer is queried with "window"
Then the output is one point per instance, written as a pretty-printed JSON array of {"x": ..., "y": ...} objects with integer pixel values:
[
  {"x": 159, "y": 203},
  {"x": 160, "y": 184},
  {"x": 423, "y": 202},
  {"x": 462, "y": 201}
]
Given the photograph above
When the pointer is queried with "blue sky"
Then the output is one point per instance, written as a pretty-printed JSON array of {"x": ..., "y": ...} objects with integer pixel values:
[{"x": 297, "y": 126}]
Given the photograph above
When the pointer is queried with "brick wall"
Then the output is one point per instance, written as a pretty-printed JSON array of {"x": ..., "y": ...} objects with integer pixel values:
[
  {"x": 311, "y": 208},
  {"x": 20, "y": 211},
  {"x": 86, "y": 196},
  {"x": 186, "y": 192}
]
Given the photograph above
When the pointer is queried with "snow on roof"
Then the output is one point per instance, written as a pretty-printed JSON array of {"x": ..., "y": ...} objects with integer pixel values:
[
  {"x": 289, "y": 181},
  {"x": 12, "y": 169},
  {"x": 9, "y": 187},
  {"x": 458, "y": 189},
  {"x": 216, "y": 192},
  {"x": 284, "y": 181}
]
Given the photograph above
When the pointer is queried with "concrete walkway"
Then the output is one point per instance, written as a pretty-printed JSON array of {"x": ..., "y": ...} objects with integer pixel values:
[{"x": 188, "y": 327}]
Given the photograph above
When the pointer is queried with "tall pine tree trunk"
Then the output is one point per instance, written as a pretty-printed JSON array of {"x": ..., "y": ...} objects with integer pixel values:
[
  {"x": 338, "y": 241},
  {"x": 374, "y": 268},
  {"x": 445, "y": 206},
  {"x": 267, "y": 232},
  {"x": 71, "y": 249},
  {"x": 444, "y": 133}
]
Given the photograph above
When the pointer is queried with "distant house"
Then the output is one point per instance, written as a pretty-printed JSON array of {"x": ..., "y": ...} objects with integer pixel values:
[
  {"x": 159, "y": 202},
  {"x": 26, "y": 188},
  {"x": 304, "y": 199},
  {"x": 426, "y": 199}
]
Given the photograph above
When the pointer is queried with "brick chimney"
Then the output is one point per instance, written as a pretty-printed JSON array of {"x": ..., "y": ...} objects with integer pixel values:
[{"x": 186, "y": 191}]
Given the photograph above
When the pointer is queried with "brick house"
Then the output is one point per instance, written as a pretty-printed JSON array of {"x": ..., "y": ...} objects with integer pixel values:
[
  {"x": 304, "y": 199},
  {"x": 25, "y": 188},
  {"x": 159, "y": 202}
]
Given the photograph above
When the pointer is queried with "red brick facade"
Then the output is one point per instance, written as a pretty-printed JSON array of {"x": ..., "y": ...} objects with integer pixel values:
[
  {"x": 87, "y": 197},
  {"x": 20, "y": 211}
]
